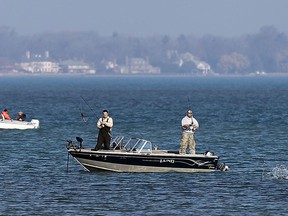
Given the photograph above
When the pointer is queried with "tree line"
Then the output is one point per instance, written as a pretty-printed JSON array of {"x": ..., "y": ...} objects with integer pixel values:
[{"x": 266, "y": 50}]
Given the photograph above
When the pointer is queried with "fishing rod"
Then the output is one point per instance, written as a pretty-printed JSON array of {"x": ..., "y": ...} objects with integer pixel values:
[
  {"x": 189, "y": 105},
  {"x": 89, "y": 108},
  {"x": 84, "y": 118},
  {"x": 205, "y": 146}
]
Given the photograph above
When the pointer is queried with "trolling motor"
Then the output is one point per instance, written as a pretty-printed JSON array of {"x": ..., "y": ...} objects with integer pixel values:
[
  {"x": 69, "y": 144},
  {"x": 80, "y": 140}
]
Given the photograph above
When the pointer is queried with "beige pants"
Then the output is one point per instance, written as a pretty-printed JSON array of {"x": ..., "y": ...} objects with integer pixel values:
[{"x": 187, "y": 139}]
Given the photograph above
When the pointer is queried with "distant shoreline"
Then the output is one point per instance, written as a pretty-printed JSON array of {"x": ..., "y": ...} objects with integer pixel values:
[{"x": 139, "y": 75}]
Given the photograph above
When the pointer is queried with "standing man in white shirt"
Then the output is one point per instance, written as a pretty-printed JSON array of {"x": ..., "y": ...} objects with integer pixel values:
[
  {"x": 189, "y": 126},
  {"x": 104, "y": 125}
]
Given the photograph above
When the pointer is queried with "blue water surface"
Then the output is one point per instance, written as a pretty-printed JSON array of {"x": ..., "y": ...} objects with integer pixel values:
[{"x": 242, "y": 119}]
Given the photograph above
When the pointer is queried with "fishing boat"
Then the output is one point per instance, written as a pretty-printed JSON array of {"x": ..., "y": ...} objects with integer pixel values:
[
  {"x": 139, "y": 155},
  {"x": 21, "y": 125}
]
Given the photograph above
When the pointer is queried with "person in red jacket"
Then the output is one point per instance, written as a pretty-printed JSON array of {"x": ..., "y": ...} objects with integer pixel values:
[{"x": 6, "y": 115}]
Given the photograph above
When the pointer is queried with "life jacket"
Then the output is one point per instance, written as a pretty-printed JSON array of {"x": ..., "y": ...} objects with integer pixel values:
[{"x": 6, "y": 115}]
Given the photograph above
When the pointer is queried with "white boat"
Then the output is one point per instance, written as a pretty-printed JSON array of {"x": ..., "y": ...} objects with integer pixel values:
[
  {"x": 21, "y": 125},
  {"x": 138, "y": 155}
]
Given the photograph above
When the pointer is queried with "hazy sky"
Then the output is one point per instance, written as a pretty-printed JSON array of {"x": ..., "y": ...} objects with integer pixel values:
[{"x": 144, "y": 17}]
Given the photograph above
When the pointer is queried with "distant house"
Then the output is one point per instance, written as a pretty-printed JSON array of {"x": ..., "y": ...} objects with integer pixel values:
[
  {"x": 204, "y": 67},
  {"x": 72, "y": 66},
  {"x": 39, "y": 63},
  {"x": 138, "y": 66}
]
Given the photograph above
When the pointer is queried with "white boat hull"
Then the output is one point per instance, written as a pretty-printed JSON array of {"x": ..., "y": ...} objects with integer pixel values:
[{"x": 21, "y": 125}]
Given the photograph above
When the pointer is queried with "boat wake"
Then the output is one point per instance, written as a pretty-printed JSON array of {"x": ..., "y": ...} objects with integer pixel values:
[{"x": 278, "y": 172}]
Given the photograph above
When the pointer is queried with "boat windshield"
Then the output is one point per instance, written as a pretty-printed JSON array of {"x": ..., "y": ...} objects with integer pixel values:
[
  {"x": 138, "y": 145},
  {"x": 132, "y": 145}
]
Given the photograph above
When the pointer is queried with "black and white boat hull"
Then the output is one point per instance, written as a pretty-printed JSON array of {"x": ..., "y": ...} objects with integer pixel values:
[
  {"x": 137, "y": 155},
  {"x": 151, "y": 162}
]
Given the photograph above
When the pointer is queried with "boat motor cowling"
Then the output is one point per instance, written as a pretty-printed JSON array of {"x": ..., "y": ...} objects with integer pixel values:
[
  {"x": 208, "y": 153},
  {"x": 222, "y": 167}
]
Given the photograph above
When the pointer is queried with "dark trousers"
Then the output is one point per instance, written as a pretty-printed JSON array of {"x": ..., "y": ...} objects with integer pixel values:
[{"x": 103, "y": 138}]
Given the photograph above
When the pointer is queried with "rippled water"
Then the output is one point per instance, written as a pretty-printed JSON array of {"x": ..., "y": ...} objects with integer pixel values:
[{"x": 244, "y": 120}]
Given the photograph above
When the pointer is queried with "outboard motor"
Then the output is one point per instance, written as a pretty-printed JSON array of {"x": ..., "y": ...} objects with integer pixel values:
[
  {"x": 222, "y": 167},
  {"x": 36, "y": 123},
  {"x": 80, "y": 140},
  {"x": 208, "y": 153}
]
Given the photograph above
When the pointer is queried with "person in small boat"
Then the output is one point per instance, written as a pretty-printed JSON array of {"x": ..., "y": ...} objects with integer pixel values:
[
  {"x": 21, "y": 116},
  {"x": 189, "y": 126},
  {"x": 6, "y": 115},
  {"x": 104, "y": 125}
]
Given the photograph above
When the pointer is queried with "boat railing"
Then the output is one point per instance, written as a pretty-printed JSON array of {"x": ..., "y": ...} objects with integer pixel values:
[
  {"x": 117, "y": 143},
  {"x": 138, "y": 145},
  {"x": 146, "y": 146}
]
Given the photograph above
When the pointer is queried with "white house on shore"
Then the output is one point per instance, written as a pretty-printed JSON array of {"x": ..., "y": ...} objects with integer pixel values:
[{"x": 39, "y": 63}]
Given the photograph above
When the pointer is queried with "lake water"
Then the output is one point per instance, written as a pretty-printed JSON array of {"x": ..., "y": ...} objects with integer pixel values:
[{"x": 243, "y": 120}]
